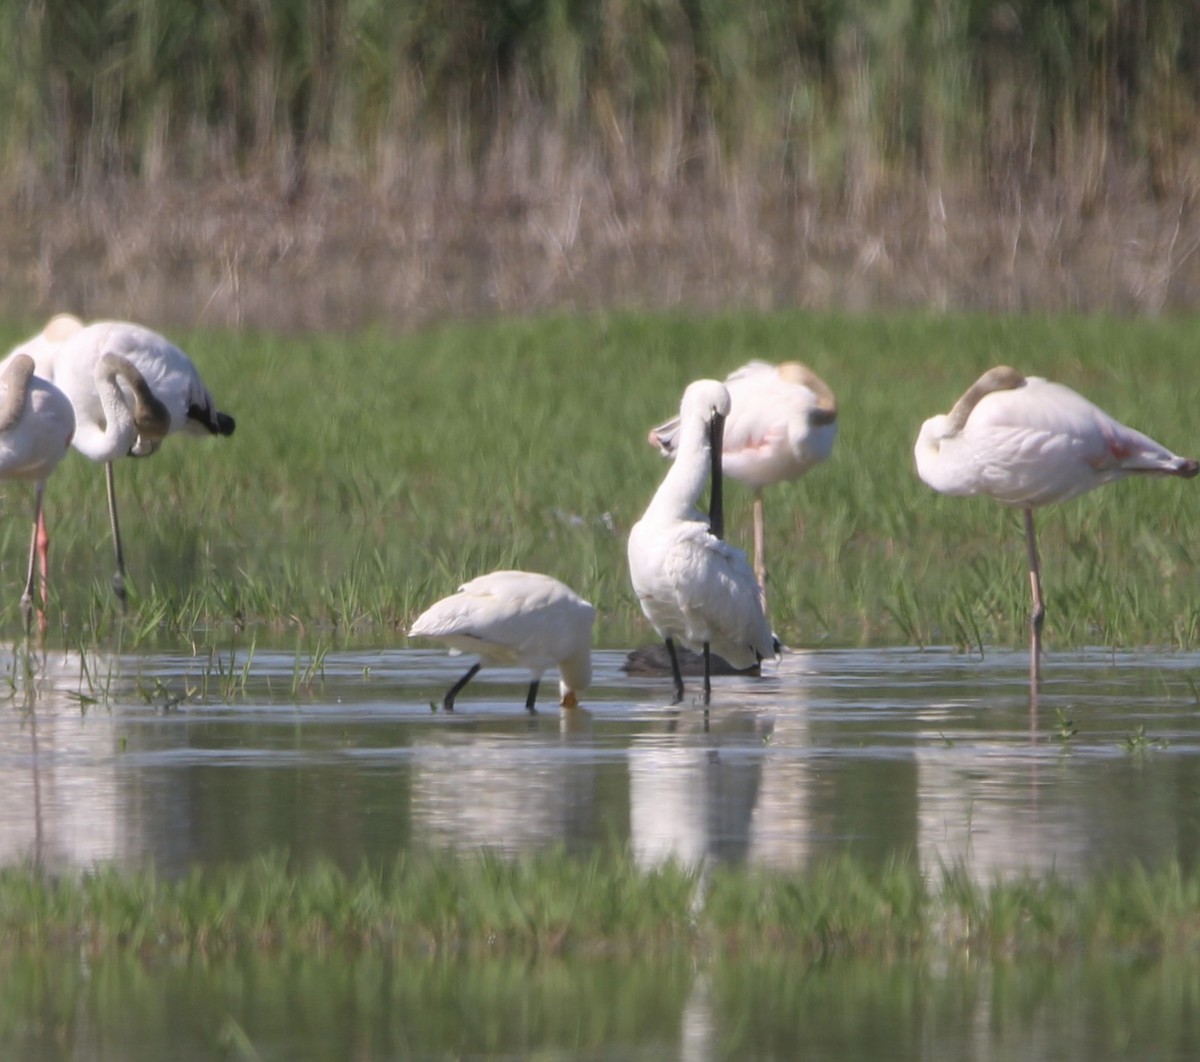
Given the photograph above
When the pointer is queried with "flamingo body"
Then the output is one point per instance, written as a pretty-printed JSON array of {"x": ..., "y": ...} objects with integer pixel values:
[
  {"x": 1034, "y": 444},
  {"x": 168, "y": 372},
  {"x": 32, "y": 446},
  {"x": 516, "y": 619},
  {"x": 1028, "y": 442},
  {"x": 692, "y": 585},
  {"x": 782, "y": 421}
]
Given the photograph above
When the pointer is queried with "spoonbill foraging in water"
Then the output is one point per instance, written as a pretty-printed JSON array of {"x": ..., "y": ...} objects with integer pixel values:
[
  {"x": 516, "y": 619},
  {"x": 37, "y": 422},
  {"x": 691, "y": 584},
  {"x": 130, "y": 388},
  {"x": 1028, "y": 442},
  {"x": 782, "y": 421}
]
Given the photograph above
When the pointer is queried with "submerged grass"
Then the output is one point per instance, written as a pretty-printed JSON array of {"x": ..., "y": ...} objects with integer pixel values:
[
  {"x": 372, "y": 473},
  {"x": 551, "y": 903}
]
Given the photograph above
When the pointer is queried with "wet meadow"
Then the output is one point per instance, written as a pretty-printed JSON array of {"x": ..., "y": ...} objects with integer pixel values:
[
  {"x": 234, "y": 804},
  {"x": 371, "y": 473}
]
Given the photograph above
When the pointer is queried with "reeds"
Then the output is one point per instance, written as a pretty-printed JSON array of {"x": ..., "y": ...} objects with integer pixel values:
[
  {"x": 835, "y": 95},
  {"x": 420, "y": 160},
  {"x": 553, "y": 904}
]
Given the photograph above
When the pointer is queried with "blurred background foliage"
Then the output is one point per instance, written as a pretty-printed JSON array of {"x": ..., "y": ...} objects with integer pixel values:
[{"x": 857, "y": 93}]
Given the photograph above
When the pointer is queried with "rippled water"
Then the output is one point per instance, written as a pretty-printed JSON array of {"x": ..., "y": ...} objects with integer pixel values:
[
  {"x": 174, "y": 760},
  {"x": 143, "y": 760}
]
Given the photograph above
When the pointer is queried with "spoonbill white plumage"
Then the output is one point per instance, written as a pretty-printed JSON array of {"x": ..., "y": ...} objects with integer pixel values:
[
  {"x": 516, "y": 619},
  {"x": 36, "y": 426},
  {"x": 130, "y": 388},
  {"x": 691, "y": 584},
  {"x": 1028, "y": 442},
  {"x": 782, "y": 421}
]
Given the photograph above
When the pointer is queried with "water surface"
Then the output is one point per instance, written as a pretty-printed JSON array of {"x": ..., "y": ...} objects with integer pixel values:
[{"x": 172, "y": 761}]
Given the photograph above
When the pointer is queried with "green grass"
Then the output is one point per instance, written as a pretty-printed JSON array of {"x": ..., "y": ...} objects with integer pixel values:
[
  {"x": 553, "y": 903},
  {"x": 372, "y": 473}
]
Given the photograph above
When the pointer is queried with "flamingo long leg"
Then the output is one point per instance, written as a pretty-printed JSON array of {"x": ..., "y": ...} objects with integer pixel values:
[
  {"x": 38, "y": 546},
  {"x": 760, "y": 558},
  {"x": 119, "y": 576},
  {"x": 531, "y": 699},
  {"x": 1039, "y": 607},
  {"x": 42, "y": 537}
]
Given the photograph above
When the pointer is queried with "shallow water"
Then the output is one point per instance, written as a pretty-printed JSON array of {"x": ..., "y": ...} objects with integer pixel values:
[
  {"x": 880, "y": 753},
  {"x": 174, "y": 760}
]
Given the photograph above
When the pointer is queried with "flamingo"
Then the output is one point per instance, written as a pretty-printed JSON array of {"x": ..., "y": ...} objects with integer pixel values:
[
  {"x": 516, "y": 619},
  {"x": 130, "y": 388},
  {"x": 691, "y": 584},
  {"x": 782, "y": 421},
  {"x": 1028, "y": 442},
  {"x": 37, "y": 422}
]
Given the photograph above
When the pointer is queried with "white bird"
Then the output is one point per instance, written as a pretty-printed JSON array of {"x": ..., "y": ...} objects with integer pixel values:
[
  {"x": 36, "y": 426},
  {"x": 691, "y": 584},
  {"x": 516, "y": 619},
  {"x": 130, "y": 389},
  {"x": 1028, "y": 442},
  {"x": 782, "y": 421}
]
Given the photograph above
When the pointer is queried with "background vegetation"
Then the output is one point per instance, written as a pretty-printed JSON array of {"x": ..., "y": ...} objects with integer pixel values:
[
  {"x": 371, "y": 474},
  {"x": 325, "y": 163}
]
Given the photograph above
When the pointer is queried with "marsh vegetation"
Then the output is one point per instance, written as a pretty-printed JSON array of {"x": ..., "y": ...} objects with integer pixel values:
[{"x": 371, "y": 474}]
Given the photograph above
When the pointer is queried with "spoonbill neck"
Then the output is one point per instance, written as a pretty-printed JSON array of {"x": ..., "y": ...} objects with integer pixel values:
[{"x": 681, "y": 487}]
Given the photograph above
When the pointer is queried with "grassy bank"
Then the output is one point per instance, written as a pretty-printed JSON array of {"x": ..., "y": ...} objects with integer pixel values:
[
  {"x": 370, "y": 474},
  {"x": 554, "y": 904}
]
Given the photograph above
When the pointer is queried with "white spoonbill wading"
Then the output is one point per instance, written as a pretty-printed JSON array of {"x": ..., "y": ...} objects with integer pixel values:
[
  {"x": 516, "y": 619},
  {"x": 691, "y": 584},
  {"x": 36, "y": 426},
  {"x": 782, "y": 421},
  {"x": 130, "y": 388},
  {"x": 1028, "y": 442}
]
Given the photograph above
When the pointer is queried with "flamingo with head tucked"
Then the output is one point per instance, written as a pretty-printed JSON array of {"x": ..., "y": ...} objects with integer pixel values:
[
  {"x": 782, "y": 422},
  {"x": 37, "y": 422},
  {"x": 1028, "y": 442},
  {"x": 130, "y": 388}
]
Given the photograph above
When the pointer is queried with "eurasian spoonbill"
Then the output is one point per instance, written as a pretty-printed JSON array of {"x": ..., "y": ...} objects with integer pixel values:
[
  {"x": 691, "y": 584},
  {"x": 516, "y": 619}
]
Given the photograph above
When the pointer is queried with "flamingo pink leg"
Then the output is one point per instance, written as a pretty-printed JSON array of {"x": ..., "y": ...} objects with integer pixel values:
[
  {"x": 760, "y": 537},
  {"x": 39, "y": 545}
]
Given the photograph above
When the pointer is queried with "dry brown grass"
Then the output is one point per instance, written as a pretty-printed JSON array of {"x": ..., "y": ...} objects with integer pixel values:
[{"x": 535, "y": 228}]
